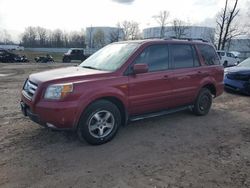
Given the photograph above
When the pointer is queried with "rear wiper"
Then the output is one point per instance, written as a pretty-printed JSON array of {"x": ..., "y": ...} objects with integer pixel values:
[{"x": 89, "y": 67}]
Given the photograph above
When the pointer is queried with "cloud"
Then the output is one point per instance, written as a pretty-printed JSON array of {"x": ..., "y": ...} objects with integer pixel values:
[{"x": 124, "y": 1}]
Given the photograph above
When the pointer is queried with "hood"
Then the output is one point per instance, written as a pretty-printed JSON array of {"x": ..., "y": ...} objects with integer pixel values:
[
  {"x": 65, "y": 73},
  {"x": 238, "y": 70}
]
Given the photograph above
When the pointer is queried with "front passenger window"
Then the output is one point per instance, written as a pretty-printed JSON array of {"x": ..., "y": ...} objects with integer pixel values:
[{"x": 156, "y": 56}]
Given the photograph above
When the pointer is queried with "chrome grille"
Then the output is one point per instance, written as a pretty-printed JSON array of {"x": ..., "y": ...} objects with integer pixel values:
[{"x": 30, "y": 88}]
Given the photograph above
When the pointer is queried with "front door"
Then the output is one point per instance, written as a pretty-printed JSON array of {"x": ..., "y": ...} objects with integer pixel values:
[{"x": 151, "y": 91}]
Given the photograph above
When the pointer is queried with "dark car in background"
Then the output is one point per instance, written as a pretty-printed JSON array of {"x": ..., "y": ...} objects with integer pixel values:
[
  {"x": 44, "y": 59},
  {"x": 237, "y": 78},
  {"x": 10, "y": 57},
  {"x": 74, "y": 54}
]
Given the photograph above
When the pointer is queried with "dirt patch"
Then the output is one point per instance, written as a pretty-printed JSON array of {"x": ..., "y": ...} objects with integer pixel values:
[{"x": 178, "y": 150}]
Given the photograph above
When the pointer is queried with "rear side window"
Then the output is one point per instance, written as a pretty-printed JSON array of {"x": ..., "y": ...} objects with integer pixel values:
[
  {"x": 183, "y": 56},
  {"x": 156, "y": 56},
  {"x": 208, "y": 54}
]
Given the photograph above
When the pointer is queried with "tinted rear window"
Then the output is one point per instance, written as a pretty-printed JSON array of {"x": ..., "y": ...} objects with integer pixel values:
[
  {"x": 183, "y": 56},
  {"x": 208, "y": 54}
]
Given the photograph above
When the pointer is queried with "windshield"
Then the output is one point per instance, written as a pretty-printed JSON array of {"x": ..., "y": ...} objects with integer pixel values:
[
  {"x": 245, "y": 63},
  {"x": 111, "y": 57}
]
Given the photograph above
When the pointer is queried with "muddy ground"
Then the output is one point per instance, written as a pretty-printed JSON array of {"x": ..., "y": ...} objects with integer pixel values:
[{"x": 178, "y": 150}]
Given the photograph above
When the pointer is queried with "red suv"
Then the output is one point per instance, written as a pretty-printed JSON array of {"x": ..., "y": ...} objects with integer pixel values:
[{"x": 125, "y": 81}]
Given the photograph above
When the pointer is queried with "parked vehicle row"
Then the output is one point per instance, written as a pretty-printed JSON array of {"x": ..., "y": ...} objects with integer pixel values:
[
  {"x": 228, "y": 59},
  {"x": 10, "y": 57},
  {"x": 122, "y": 82},
  {"x": 44, "y": 59}
]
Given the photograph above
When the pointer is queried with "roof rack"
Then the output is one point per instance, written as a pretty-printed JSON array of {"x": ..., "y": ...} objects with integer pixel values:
[{"x": 188, "y": 39}]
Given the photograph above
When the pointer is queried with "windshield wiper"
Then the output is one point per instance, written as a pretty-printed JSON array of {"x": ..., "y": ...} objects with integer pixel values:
[{"x": 89, "y": 67}]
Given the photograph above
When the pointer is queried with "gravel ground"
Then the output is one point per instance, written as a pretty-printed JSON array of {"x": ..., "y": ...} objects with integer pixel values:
[{"x": 178, "y": 150}]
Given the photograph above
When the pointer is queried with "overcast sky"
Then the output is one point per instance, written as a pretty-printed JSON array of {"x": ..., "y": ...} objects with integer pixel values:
[{"x": 69, "y": 15}]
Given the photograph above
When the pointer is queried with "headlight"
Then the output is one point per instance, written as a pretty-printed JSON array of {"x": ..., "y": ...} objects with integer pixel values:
[
  {"x": 58, "y": 91},
  {"x": 226, "y": 71}
]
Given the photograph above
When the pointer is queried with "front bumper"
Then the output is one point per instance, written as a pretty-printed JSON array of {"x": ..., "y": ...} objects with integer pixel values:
[
  {"x": 53, "y": 114},
  {"x": 237, "y": 85},
  {"x": 34, "y": 117}
]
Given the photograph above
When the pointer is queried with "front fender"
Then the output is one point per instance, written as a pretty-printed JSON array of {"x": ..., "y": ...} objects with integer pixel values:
[{"x": 93, "y": 95}]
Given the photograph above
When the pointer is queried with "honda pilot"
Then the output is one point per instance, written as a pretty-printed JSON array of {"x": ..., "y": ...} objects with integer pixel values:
[{"x": 123, "y": 82}]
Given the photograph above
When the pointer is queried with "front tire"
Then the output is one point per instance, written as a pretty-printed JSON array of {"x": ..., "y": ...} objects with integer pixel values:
[
  {"x": 203, "y": 102},
  {"x": 99, "y": 123},
  {"x": 66, "y": 60}
]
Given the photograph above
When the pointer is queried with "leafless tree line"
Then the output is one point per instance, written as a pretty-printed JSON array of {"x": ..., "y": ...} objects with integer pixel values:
[
  {"x": 5, "y": 37},
  {"x": 227, "y": 29},
  {"x": 125, "y": 30},
  {"x": 178, "y": 28},
  {"x": 42, "y": 37}
]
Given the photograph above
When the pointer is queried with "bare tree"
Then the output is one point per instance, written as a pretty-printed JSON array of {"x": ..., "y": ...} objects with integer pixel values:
[
  {"x": 29, "y": 37},
  {"x": 99, "y": 38},
  {"x": 230, "y": 32},
  {"x": 134, "y": 31},
  {"x": 225, "y": 24},
  {"x": 115, "y": 35},
  {"x": 5, "y": 37},
  {"x": 179, "y": 28},
  {"x": 76, "y": 39},
  {"x": 210, "y": 37},
  {"x": 42, "y": 34},
  {"x": 125, "y": 25},
  {"x": 161, "y": 19},
  {"x": 221, "y": 20},
  {"x": 57, "y": 38},
  {"x": 130, "y": 29}
]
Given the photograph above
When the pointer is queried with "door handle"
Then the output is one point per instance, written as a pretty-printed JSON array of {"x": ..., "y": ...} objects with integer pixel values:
[{"x": 165, "y": 77}]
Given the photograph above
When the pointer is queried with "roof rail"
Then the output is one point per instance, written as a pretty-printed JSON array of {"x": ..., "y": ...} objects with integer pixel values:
[{"x": 188, "y": 39}]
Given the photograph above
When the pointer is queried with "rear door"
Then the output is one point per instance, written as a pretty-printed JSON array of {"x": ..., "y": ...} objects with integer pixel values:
[
  {"x": 151, "y": 91},
  {"x": 186, "y": 73}
]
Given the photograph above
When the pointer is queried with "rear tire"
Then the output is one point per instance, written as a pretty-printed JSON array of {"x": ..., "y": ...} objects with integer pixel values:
[
  {"x": 203, "y": 102},
  {"x": 99, "y": 123}
]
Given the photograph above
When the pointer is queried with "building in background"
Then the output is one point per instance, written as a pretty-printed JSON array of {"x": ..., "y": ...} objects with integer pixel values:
[
  {"x": 97, "y": 37},
  {"x": 241, "y": 45},
  {"x": 11, "y": 47},
  {"x": 206, "y": 33}
]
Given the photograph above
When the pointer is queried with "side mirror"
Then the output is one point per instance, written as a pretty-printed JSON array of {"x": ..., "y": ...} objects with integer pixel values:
[{"x": 140, "y": 68}]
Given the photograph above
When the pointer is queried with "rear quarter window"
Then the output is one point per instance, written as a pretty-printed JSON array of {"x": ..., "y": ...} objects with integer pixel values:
[
  {"x": 183, "y": 56},
  {"x": 208, "y": 54}
]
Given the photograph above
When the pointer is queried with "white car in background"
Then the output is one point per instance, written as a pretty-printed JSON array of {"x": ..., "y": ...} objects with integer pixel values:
[{"x": 228, "y": 59}]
